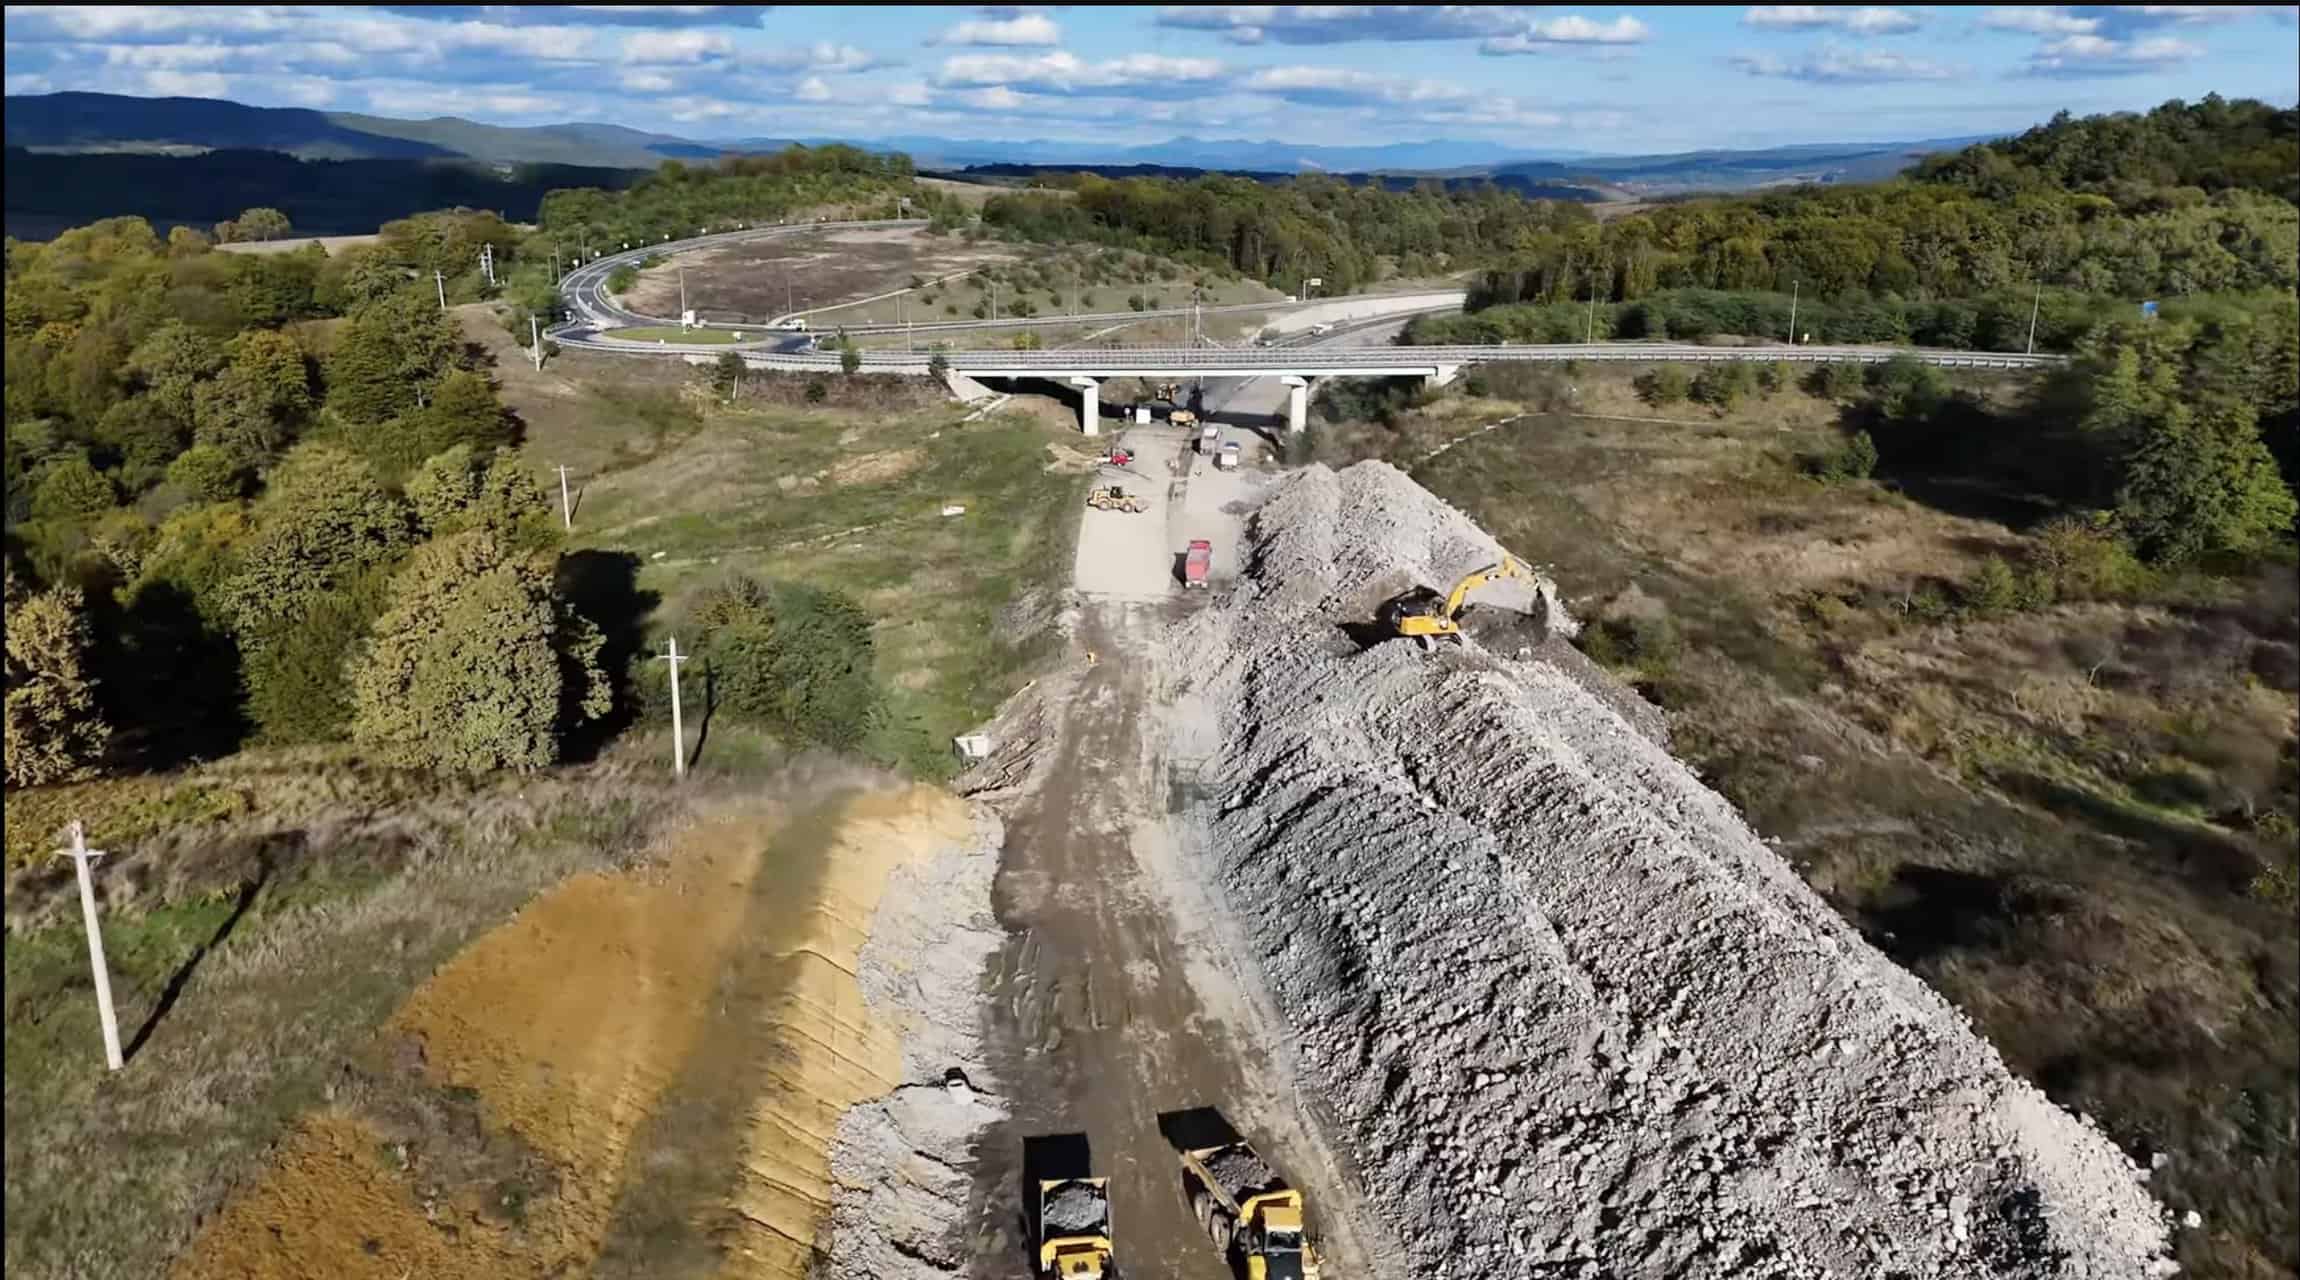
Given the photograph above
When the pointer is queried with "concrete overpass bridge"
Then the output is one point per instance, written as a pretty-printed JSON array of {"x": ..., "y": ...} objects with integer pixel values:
[{"x": 1086, "y": 369}]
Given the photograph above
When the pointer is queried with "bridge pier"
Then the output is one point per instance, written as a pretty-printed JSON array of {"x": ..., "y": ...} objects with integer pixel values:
[
  {"x": 1444, "y": 376},
  {"x": 1089, "y": 405},
  {"x": 1297, "y": 403}
]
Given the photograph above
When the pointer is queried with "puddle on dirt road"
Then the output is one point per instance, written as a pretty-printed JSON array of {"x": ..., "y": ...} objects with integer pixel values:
[{"x": 676, "y": 1043}]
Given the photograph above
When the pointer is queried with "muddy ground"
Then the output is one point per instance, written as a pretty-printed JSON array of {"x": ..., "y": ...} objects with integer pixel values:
[
  {"x": 760, "y": 279},
  {"x": 1117, "y": 1006}
]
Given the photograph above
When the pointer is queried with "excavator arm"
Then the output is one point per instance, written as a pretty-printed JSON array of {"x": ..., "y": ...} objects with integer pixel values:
[{"x": 1508, "y": 568}]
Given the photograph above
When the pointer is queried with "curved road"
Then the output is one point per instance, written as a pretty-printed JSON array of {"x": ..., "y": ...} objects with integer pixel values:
[{"x": 598, "y": 313}]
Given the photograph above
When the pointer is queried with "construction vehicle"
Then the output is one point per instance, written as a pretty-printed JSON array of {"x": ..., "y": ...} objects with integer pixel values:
[
  {"x": 1227, "y": 459},
  {"x": 1170, "y": 392},
  {"x": 1114, "y": 498},
  {"x": 1240, "y": 1200},
  {"x": 1074, "y": 1228},
  {"x": 1196, "y": 563},
  {"x": 1427, "y": 616},
  {"x": 1209, "y": 438},
  {"x": 1183, "y": 418},
  {"x": 1119, "y": 456}
]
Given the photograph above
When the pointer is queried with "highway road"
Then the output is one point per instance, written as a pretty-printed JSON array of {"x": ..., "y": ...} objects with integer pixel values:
[{"x": 596, "y": 314}]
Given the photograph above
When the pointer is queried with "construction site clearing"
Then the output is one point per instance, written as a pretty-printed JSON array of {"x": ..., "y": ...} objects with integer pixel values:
[{"x": 1489, "y": 984}]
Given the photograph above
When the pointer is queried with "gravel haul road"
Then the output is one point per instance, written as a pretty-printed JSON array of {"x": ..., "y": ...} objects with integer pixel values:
[{"x": 1570, "y": 1014}]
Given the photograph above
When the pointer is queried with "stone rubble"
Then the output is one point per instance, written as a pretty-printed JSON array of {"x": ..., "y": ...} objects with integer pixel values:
[{"x": 1570, "y": 1015}]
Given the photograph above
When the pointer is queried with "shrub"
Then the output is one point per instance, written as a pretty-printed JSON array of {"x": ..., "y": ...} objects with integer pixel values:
[
  {"x": 207, "y": 473},
  {"x": 1666, "y": 385},
  {"x": 1833, "y": 381},
  {"x": 796, "y": 657},
  {"x": 71, "y": 488},
  {"x": 298, "y": 684},
  {"x": 621, "y": 279},
  {"x": 2079, "y": 559},
  {"x": 477, "y": 664},
  {"x": 1993, "y": 589},
  {"x": 1723, "y": 386},
  {"x": 54, "y": 732},
  {"x": 938, "y": 366},
  {"x": 816, "y": 391}
]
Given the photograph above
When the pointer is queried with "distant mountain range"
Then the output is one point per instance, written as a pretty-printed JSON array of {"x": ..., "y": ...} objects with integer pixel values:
[{"x": 101, "y": 122}]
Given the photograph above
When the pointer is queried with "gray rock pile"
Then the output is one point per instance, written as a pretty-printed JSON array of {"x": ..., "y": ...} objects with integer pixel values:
[
  {"x": 1573, "y": 1017},
  {"x": 1072, "y": 1209}
]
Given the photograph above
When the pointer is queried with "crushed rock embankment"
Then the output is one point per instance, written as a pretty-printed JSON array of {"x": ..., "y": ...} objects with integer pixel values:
[{"x": 1570, "y": 1013}]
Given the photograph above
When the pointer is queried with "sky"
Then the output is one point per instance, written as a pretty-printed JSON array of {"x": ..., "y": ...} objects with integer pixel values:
[{"x": 1600, "y": 79}]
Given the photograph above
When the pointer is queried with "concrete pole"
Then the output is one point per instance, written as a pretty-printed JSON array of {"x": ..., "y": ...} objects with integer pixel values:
[
  {"x": 535, "y": 339},
  {"x": 1794, "y": 287},
  {"x": 441, "y": 280},
  {"x": 678, "y": 726},
  {"x": 2034, "y": 306},
  {"x": 82, "y": 855},
  {"x": 566, "y": 506},
  {"x": 1592, "y": 338},
  {"x": 682, "y": 296}
]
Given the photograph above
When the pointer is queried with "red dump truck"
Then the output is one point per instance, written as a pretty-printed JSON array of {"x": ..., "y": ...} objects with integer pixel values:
[{"x": 1196, "y": 563}]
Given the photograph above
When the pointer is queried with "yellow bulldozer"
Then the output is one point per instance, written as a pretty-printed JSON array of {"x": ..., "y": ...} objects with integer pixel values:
[
  {"x": 1428, "y": 617},
  {"x": 1114, "y": 498}
]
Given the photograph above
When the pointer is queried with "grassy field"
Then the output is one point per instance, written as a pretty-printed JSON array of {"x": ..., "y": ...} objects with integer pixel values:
[
  {"x": 250, "y": 957},
  {"x": 2075, "y": 821},
  {"x": 857, "y": 501},
  {"x": 672, "y": 333}
]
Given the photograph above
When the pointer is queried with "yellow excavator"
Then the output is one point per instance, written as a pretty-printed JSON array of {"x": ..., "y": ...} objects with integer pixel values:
[{"x": 1427, "y": 616}]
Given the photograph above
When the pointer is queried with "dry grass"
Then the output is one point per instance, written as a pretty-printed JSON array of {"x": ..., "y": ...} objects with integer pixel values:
[
  {"x": 2072, "y": 821},
  {"x": 258, "y": 955}
]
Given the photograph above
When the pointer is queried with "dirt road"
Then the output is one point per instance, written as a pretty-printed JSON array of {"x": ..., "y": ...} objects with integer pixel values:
[{"x": 1115, "y": 1001}]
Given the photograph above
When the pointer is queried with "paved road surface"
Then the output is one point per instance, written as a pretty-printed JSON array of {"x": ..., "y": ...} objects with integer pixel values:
[{"x": 1113, "y": 1001}]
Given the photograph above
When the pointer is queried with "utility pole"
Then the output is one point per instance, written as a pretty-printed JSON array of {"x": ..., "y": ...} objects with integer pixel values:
[
  {"x": 1592, "y": 338},
  {"x": 2034, "y": 306},
  {"x": 440, "y": 279},
  {"x": 554, "y": 264},
  {"x": 82, "y": 855},
  {"x": 566, "y": 506},
  {"x": 678, "y": 728},
  {"x": 535, "y": 339},
  {"x": 682, "y": 296},
  {"x": 1794, "y": 287},
  {"x": 487, "y": 263}
]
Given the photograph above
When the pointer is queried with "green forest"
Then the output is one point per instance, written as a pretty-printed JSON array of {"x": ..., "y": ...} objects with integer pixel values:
[{"x": 275, "y": 498}]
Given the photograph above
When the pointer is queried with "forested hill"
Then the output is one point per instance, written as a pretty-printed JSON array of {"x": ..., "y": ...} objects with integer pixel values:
[
  {"x": 2185, "y": 200},
  {"x": 2214, "y": 145}
]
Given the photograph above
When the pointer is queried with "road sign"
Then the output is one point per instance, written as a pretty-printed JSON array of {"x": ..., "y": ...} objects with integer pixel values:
[{"x": 1315, "y": 281}]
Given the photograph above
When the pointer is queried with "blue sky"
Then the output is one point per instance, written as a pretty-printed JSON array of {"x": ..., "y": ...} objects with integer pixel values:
[{"x": 1619, "y": 79}]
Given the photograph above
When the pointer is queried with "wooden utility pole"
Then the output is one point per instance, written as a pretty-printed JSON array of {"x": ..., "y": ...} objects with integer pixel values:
[
  {"x": 566, "y": 508},
  {"x": 678, "y": 727},
  {"x": 81, "y": 854}
]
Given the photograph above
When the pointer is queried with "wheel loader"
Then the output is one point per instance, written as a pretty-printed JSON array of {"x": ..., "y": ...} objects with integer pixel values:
[
  {"x": 1074, "y": 1229},
  {"x": 1241, "y": 1201},
  {"x": 1428, "y": 617},
  {"x": 1114, "y": 498}
]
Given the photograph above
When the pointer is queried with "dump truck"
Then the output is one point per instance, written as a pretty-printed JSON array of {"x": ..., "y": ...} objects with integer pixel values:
[
  {"x": 1209, "y": 438},
  {"x": 1114, "y": 498},
  {"x": 1428, "y": 617},
  {"x": 1196, "y": 563},
  {"x": 1074, "y": 1228},
  {"x": 1241, "y": 1201}
]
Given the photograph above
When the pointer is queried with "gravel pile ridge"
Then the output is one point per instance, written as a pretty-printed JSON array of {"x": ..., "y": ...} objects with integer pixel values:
[{"x": 1571, "y": 1015}]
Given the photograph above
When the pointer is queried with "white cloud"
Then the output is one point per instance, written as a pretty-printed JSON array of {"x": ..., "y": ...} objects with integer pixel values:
[
  {"x": 1346, "y": 23},
  {"x": 683, "y": 47},
  {"x": 1064, "y": 72},
  {"x": 29, "y": 82},
  {"x": 1551, "y": 34},
  {"x": 2039, "y": 21},
  {"x": 812, "y": 89},
  {"x": 436, "y": 100},
  {"x": 1408, "y": 100},
  {"x": 1029, "y": 30},
  {"x": 163, "y": 83},
  {"x": 1838, "y": 64},
  {"x": 820, "y": 56},
  {"x": 1810, "y": 17},
  {"x": 646, "y": 82},
  {"x": 909, "y": 95},
  {"x": 2079, "y": 56},
  {"x": 995, "y": 98}
]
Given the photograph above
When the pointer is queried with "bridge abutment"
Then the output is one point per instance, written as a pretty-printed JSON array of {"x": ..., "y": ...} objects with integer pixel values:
[
  {"x": 1297, "y": 403},
  {"x": 1089, "y": 404}
]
